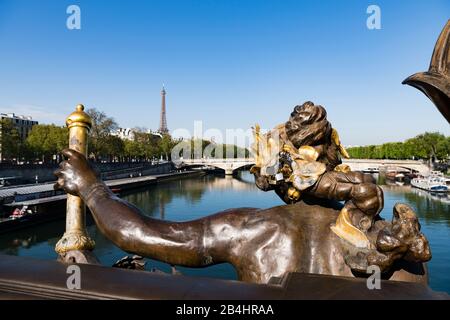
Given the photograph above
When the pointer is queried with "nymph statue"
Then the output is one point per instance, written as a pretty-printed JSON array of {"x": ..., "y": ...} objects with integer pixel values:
[
  {"x": 303, "y": 157},
  {"x": 313, "y": 233}
]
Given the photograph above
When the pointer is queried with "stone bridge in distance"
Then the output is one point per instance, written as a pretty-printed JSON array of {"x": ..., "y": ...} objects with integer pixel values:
[
  {"x": 384, "y": 164},
  {"x": 230, "y": 165}
]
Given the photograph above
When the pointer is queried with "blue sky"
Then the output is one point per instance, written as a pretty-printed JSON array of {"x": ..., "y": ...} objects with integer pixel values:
[{"x": 228, "y": 63}]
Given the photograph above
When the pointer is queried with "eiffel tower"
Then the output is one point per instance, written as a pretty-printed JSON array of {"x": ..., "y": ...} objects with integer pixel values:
[{"x": 162, "y": 120}]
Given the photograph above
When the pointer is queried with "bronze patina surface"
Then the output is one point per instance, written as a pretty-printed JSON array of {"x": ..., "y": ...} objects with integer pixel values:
[
  {"x": 308, "y": 149},
  {"x": 260, "y": 244},
  {"x": 76, "y": 238},
  {"x": 99, "y": 282},
  {"x": 435, "y": 83}
]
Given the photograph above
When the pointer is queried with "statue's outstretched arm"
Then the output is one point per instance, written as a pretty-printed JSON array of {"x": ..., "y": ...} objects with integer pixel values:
[{"x": 178, "y": 243}]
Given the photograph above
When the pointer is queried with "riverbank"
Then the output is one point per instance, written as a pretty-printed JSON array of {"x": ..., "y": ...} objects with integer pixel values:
[
  {"x": 42, "y": 173},
  {"x": 44, "y": 206}
]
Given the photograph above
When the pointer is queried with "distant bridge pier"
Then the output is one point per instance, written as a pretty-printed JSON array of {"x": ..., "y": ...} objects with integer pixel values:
[{"x": 228, "y": 168}]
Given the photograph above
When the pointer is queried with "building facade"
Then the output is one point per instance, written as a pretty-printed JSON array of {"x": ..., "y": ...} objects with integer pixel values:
[
  {"x": 124, "y": 133},
  {"x": 23, "y": 125},
  {"x": 128, "y": 133}
]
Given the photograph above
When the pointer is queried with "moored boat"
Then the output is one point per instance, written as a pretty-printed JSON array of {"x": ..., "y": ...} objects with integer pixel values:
[
  {"x": 395, "y": 175},
  {"x": 435, "y": 182}
]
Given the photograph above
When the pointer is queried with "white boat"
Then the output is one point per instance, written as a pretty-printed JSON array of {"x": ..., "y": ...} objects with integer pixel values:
[{"x": 435, "y": 182}]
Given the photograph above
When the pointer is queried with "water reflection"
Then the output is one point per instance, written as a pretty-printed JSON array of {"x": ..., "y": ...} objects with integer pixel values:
[
  {"x": 430, "y": 207},
  {"x": 434, "y": 216},
  {"x": 153, "y": 201},
  {"x": 193, "y": 198}
]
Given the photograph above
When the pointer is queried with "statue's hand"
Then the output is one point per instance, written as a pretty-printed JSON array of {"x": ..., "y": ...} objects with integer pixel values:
[
  {"x": 75, "y": 175},
  {"x": 261, "y": 181}
]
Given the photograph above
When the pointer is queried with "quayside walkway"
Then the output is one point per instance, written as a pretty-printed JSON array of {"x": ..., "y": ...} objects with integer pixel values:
[
  {"x": 48, "y": 205},
  {"x": 18, "y": 195}
]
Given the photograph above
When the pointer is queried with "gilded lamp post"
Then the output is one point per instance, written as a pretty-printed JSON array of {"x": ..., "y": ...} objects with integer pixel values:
[{"x": 76, "y": 237}]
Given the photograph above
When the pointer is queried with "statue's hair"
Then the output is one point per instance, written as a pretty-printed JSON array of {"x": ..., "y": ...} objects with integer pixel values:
[{"x": 308, "y": 126}]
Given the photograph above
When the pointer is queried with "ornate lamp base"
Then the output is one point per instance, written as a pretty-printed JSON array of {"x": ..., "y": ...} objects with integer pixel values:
[{"x": 74, "y": 240}]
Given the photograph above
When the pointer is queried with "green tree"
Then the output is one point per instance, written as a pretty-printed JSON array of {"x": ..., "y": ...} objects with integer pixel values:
[
  {"x": 102, "y": 126},
  {"x": 111, "y": 148},
  {"x": 166, "y": 144},
  {"x": 11, "y": 143},
  {"x": 443, "y": 148},
  {"x": 45, "y": 141},
  {"x": 132, "y": 150},
  {"x": 430, "y": 145},
  {"x": 144, "y": 146},
  {"x": 149, "y": 144}
]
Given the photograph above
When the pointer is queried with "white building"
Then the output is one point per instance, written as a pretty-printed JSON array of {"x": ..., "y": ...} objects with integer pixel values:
[
  {"x": 124, "y": 133},
  {"x": 22, "y": 123},
  {"x": 128, "y": 133}
]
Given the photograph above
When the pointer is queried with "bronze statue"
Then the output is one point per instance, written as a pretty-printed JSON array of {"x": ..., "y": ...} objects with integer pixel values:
[
  {"x": 303, "y": 157},
  {"x": 260, "y": 244}
]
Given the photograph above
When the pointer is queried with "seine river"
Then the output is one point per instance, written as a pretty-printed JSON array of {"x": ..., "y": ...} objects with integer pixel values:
[{"x": 193, "y": 198}]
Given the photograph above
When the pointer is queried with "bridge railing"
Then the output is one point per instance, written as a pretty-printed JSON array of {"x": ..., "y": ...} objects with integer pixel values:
[
  {"x": 385, "y": 161},
  {"x": 214, "y": 160}
]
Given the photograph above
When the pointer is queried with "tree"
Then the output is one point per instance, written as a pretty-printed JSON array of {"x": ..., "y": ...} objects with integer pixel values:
[
  {"x": 149, "y": 143},
  {"x": 112, "y": 148},
  {"x": 11, "y": 143},
  {"x": 132, "y": 150},
  {"x": 166, "y": 145},
  {"x": 45, "y": 141},
  {"x": 429, "y": 145},
  {"x": 102, "y": 126},
  {"x": 145, "y": 146}
]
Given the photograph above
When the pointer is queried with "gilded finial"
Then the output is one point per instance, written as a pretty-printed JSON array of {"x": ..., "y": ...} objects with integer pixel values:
[
  {"x": 79, "y": 118},
  {"x": 76, "y": 236}
]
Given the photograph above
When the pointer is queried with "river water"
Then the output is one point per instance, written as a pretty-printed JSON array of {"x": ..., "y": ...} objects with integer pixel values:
[{"x": 192, "y": 198}]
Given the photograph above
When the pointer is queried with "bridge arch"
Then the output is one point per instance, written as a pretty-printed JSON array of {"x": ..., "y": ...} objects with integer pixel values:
[
  {"x": 228, "y": 165},
  {"x": 231, "y": 165},
  {"x": 362, "y": 164}
]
